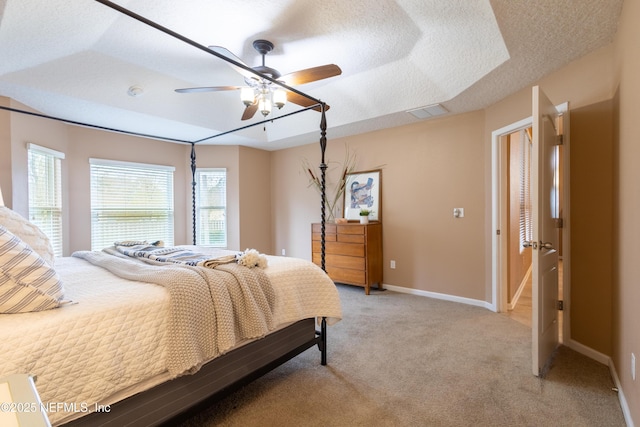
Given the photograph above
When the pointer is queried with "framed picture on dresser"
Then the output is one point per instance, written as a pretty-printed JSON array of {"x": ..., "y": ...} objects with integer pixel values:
[{"x": 363, "y": 191}]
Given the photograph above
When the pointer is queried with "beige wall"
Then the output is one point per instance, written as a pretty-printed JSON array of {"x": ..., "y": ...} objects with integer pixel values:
[
  {"x": 626, "y": 304},
  {"x": 591, "y": 180},
  {"x": 255, "y": 200},
  {"x": 429, "y": 168}
]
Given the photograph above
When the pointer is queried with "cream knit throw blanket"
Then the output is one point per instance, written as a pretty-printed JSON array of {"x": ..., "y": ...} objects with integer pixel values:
[{"x": 212, "y": 309}]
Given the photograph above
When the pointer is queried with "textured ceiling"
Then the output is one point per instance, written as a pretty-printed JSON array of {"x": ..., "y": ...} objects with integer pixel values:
[{"x": 77, "y": 59}]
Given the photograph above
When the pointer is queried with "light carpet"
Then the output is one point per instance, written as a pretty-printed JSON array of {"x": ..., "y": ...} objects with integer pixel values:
[{"x": 402, "y": 360}]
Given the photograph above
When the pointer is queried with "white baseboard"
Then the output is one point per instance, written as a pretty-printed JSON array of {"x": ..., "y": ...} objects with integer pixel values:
[
  {"x": 621, "y": 398},
  {"x": 436, "y": 295},
  {"x": 523, "y": 283},
  {"x": 588, "y": 351}
]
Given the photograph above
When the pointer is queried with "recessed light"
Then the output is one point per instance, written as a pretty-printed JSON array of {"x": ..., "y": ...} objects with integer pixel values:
[{"x": 135, "y": 91}]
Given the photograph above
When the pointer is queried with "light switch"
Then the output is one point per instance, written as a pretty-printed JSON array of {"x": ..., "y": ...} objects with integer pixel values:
[{"x": 458, "y": 212}]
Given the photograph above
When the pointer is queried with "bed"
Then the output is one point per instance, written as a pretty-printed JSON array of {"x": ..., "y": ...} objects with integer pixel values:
[{"x": 111, "y": 353}]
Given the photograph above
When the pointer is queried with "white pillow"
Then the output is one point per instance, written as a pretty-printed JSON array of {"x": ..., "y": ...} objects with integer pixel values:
[
  {"x": 27, "y": 282},
  {"x": 28, "y": 233}
]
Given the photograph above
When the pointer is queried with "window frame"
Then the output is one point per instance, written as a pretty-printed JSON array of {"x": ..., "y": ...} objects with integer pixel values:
[
  {"x": 130, "y": 208},
  {"x": 48, "y": 216},
  {"x": 202, "y": 207}
]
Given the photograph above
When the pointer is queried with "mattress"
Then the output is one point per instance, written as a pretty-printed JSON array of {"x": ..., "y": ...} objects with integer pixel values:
[{"x": 111, "y": 342}]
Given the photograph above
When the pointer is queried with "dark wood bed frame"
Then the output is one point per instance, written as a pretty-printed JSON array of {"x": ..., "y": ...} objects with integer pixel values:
[{"x": 177, "y": 399}]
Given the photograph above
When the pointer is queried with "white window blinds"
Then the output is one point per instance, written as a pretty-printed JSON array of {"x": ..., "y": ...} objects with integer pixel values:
[
  {"x": 211, "y": 207},
  {"x": 526, "y": 214},
  {"x": 130, "y": 201},
  {"x": 45, "y": 192}
]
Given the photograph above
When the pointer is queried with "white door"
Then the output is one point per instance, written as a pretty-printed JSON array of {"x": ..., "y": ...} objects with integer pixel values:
[{"x": 545, "y": 234}]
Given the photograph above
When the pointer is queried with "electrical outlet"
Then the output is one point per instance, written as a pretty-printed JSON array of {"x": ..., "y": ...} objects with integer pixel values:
[
  {"x": 393, "y": 263},
  {"x": 633, "y": 366},
  {"x": 284, "y": 252}
]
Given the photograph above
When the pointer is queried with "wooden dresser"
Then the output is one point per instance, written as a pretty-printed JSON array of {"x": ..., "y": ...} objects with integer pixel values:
[{"x": 353, "y": 252}]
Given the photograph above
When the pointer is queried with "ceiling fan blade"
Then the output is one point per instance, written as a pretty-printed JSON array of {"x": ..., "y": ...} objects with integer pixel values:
[
  {"x": 250, "y": 111},
  {"x": 225, "y": 52},
  {"x": 311, "y": 74},
  {"x": 304, "y": 102},
  {"x": 207, "y": 89}
]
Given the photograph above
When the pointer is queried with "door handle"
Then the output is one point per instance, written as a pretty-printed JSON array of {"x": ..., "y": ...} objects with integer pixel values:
[
  {"x": 546, "y": 245},
  {"x": 530, "y": 244}
]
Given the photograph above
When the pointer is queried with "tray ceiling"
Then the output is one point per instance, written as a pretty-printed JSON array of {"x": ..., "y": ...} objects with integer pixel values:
[{"x": 77, "y": 60}]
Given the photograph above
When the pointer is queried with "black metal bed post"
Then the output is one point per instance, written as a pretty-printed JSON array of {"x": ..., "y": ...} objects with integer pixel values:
[
  {"x": 323, "y": 183},
  {"x": 323, "y": 172},
  {"x": 193, "y": 188}
]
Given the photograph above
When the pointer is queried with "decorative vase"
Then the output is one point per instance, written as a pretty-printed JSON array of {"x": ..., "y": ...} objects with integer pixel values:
[{"x": 364, "y": 219}]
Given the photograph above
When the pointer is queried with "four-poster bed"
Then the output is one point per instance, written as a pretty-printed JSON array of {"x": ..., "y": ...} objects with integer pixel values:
[{"x": 161, "y": 398}]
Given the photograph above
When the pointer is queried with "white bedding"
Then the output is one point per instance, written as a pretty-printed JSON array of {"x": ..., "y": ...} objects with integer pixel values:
[{"x": 114, "y": 337}]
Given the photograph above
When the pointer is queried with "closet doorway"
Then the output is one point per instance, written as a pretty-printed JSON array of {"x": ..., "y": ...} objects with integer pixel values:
[{"x": 511, "y": 266}]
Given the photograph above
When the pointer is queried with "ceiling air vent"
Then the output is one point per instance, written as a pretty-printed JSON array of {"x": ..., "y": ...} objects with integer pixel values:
[{"x": 428, "y": 111}]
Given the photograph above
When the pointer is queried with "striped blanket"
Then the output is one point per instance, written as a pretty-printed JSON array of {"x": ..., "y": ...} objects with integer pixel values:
[{"x": 175, "y": 255}]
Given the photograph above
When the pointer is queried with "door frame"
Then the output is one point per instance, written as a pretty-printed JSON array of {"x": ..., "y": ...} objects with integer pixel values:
[{"x": 499, "y": 249}]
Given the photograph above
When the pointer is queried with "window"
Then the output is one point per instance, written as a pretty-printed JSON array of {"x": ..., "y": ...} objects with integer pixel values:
[
  {"x": 526, "y": 214},
  {"x": 211, "y": 207},
  {"x": 45, "y": 192},
  {"x": 130, "y": 201}
]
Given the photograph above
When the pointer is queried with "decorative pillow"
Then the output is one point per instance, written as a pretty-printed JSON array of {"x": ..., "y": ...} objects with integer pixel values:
[
  {"x": 27, "y": 282},
  {"x": 29, "y": 233}
]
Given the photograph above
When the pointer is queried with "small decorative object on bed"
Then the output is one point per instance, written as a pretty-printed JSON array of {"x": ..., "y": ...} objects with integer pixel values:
[{"x": 363, "y": 192}]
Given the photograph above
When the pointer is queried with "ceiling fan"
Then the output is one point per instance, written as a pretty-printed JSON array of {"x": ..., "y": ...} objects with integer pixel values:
[{"x": 261, "y": 94}]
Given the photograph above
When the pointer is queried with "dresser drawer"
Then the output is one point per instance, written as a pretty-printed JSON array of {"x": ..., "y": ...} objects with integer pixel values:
[
  {"x": 339, "y": 248},
  {"x": 349, "y": 238},
  {"x": 340, "y": 261},
  {"x": 343, "y": 275},
  {"x": 328, "y": 229},
  {"x": 327, "y": 237},
  {"x": 350, "y": 229}
]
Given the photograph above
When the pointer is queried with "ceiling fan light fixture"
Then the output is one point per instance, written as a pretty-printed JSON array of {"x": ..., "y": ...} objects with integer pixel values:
[
  {"x": 264, "y": 105},
  {"x": 247, "y": 96},
  {"x": 279, "y": 97},
  {"x": 262, "y": 89}
]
